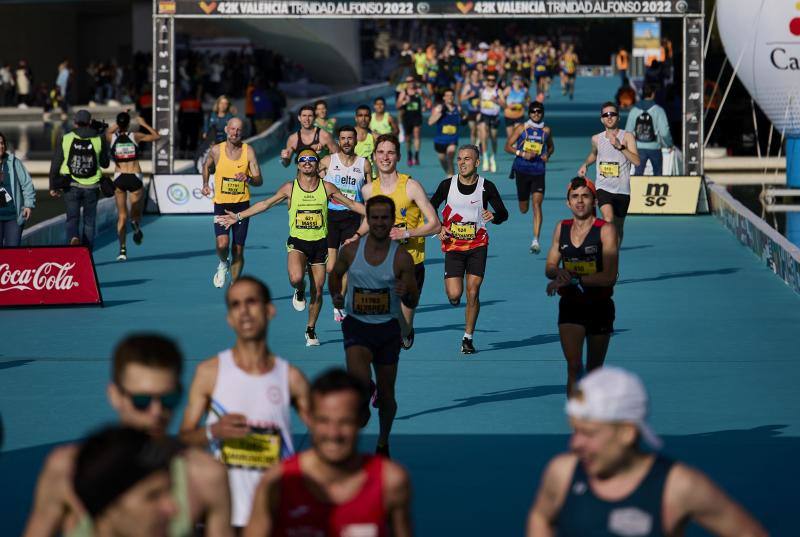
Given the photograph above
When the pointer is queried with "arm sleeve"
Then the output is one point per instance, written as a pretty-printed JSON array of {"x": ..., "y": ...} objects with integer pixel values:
[
  {"x": 441, "y": 194},
  {"x": 492, "y": 196},
  {"x": 55, "y": 164}
]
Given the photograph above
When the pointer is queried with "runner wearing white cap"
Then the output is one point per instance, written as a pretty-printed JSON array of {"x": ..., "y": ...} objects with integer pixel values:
[{"x": 608, "y": 486}]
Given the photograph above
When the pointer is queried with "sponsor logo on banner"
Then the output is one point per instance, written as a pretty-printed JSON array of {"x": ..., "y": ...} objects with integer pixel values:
[
  {"x": 59, "y": 275},
  {"x": 208, "y": 8},
  {"x": 664, "y": 195},
  {"x": 182, "y": 194}
]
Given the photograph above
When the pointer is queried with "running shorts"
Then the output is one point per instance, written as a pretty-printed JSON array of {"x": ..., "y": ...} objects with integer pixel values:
[
  {"x": 619, "y": 202},
  {"x": 528, "y": 184},
  {"x": 595, "y": 315},
  {"x": 491, "y": 121},
  {"x": 441, "y": 148},
  {"x": 456, "y": 264},
  {"x": 239, "y": 229},
  {"x": 510, "y": 122},
  {"x": 316, "y": 252},
  {"x": 128, "y": 182},
  {"x": 411, "y": 120},
  {"x": 341, "y": 226},
  {"x": 383, "y": 339}
]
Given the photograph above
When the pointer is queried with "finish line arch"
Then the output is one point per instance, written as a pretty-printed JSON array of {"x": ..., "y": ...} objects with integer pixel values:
[{"x": 166, "y": 11}]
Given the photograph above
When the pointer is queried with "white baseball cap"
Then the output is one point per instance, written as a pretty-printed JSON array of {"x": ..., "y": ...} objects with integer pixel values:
[{"x": 612, "y": 394}]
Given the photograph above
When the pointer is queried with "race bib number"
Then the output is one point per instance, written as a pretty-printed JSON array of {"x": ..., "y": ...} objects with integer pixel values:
[
  {"x": 531, "y": 146},
  {"x": 488, "y": 104},
  {"x": 308, "y": 219},
  {"x": 464, "y": 231},
  {"x": 232, "y": 186},
  {"x": 516, "y": 107},
  {"x": 449, "y": 129},
  {"x": 259, "y": 450},
  {"x": 371, "y": 301},
  {"x": 475, "y": 102},
  {"x": 609, "y": 169},
  {"x": 581, "y": 268},
  {"x": 412, "y": 106},
  {"x": 125, "y": 151}
]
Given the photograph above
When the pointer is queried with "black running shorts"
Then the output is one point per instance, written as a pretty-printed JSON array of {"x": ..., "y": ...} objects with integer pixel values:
[
  {"x": 456, "y": 264},
  {"x": 491, "y": 121},
  {"x": 383, "y": 340},
  {"x": 595, "y": 315},
  {"x": 128, "y": 182},
  {"x": 528, "y": 184},
  {"x": 619, "y": 202},
  {"x": 239, "y": 229},
  {"x": 316, "y": 252},
  {"x": 341, "y": 226}
]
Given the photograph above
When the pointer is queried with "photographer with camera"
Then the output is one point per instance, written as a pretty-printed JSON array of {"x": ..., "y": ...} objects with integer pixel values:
[{"x": 76, "y": 173}]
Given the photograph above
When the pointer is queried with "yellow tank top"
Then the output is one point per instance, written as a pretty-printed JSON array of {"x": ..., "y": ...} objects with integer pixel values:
[
  {"x": 308, "y": 212},
  {"x": 227, "y": 189},
  {"x": 407, "y": 215},
  {"x": 365, "y": 147}
]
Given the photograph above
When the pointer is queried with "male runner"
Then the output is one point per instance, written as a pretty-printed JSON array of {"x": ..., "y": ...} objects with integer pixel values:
[
  {"x": 582, "y": 262},
  {"x": 122, "y": 478},
  {"x": 412, "y": 104},
  {"x": 614, "y": 150},
  {"x": 470, "y": 99},
  {"x": 569, "y": 69},
  {"x": 235, "y": 169},
  {"x": 307, "y": 196},
  {"x": 245, "y": 393},
  {"x": 382, "y": 121},
  {"x": 123, "y": 146},
  {"x": 446, "y": 116},
  {"x": 414, "y": 217},
  {"x": 331, "y": 489},
  {"x": 365, "y": 140},
  {"x": 321, "y": 119},
  {"x": 144, "y": 391},
  {"x": 307, "y": 137},
  {"x": 492, "y": 101},
  {"x": 381, "y": 275},
  {"x": 465, "y": 240},
  {"x": 349, "y": 173},
  {"x": 607, "y": 485},
  {"x": 532, "y": 144}
]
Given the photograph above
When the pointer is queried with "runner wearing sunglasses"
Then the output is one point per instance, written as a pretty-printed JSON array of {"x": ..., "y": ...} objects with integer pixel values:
[
  {"x": 144, "y": 391},
  {"x": 614, "y": 150},
  {"x": 307, "y": 196}
]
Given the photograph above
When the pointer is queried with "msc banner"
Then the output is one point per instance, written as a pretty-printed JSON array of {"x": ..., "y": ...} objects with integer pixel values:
[
  {"x": 48, "y": 276},
  {"x": 430, "y": 9},
  {"x": 664, "y": 195},
  {"x": 182, "y": 194}
]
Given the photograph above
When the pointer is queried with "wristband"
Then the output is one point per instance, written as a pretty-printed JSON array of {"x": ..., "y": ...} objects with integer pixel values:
[
  {"x": 209, "y": 434},
  {"x": 406, "y": 235},
  {"x": 239, "y": 218},
  {"x": 517, "y": 152}
]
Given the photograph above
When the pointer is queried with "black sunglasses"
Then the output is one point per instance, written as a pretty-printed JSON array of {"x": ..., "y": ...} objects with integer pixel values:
[
  {"x": 609, "y": 114},
  {"x": 142, "y": 401}
]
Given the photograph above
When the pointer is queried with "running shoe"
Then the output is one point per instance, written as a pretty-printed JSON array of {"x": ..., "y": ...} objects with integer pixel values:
[
  {"x": 137, "y": 233},
  {"x": 410, "y": 161},
  {"x": 299, "y": 300},
  {"x": 221, "y": 274},
  {"x": 123, "y": 254},
  {"x": 373, "y": 394},
  {"x": 485, "y": 165},
  {"x": 382, "y": 449},
  {"x": 339, "y": 315},
  {"x": 416, "y": 161},
  {"x": 535, "y": 248},
  {"x": 492, "y": 164},
  {"x": 408, "y": 340},
  {"x": 311, "y": 338},
  {"x": 467, "y": 347}
]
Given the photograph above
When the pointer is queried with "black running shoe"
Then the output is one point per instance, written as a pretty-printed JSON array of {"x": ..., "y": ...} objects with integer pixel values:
[
  {"x": 137, "y": 233},
  {"x": 311, "y": 338},
  {"x": 408, "y": 341},
  {"x": 123, "y": 254},
  {"x": 467, "y": 347},
  {"x": 382, "y": 450}
]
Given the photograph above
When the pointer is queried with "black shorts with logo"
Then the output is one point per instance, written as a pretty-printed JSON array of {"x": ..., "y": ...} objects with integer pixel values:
[
  {"x": 619, "y": 202},
  {"x": 383, "y": 339},
  {"x": 491, "y": 121},
  {"x": 239, "y": 229},
  {"x": 596, "y": 315},
  {"x": 316, "y": 252},
  {"x": 128, "y": 182},
  {"x": 341, "y": 226},
  {"x": 528, "y": 184},
  {"x": 456, "y": 264}
]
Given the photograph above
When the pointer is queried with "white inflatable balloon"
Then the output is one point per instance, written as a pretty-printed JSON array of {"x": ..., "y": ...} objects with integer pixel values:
[{"x": 766, "y": 34}]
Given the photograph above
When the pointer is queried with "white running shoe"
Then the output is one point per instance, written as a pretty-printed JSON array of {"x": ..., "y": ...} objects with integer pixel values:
[
  {"x": 299, "y": 300},
  {"x": 311, "y": 338},
  {"x": 339, "y": 315},
  {"x": 123, "y": 254},
  {"x": 535, "y": 248},
  {"x": 492, "y": 164},
  {"x": 221, "y": 274},
  {"x": 485, "y": 166}
]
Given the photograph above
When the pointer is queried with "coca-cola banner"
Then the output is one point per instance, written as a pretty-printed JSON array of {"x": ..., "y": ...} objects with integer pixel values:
[{"x": 48, "y": 276}]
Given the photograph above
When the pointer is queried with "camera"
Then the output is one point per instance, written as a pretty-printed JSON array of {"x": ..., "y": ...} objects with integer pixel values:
[
  {"x": 98, "y": 125},
  {"x": 3, "y": 195}
]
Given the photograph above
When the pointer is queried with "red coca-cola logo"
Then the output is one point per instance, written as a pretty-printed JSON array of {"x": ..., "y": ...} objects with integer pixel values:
[
  {"x": 59, "y": 275},
  {"x": 46, "y": 276}
]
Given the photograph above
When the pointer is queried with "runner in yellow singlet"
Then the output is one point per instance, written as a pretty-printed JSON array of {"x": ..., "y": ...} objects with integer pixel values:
[
  {"x": 365, "y": 140},
  {"x": 307, "y": 195},
  {"x": 382, "y": 121}
]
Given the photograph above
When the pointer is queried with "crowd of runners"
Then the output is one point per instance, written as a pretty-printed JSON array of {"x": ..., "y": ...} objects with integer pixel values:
[{"x": 359, "y": 221}]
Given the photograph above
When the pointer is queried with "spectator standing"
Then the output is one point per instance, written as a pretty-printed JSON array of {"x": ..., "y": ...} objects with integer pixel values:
[
  {"x": 622, "y": 63},
  {"x": 17, "y": 196},
  {"x": 221, "y": 113},
  {"x": 62, "y": 79},
  {"x": 190, "y": 122},
  {"x": 23, "y": 80},
  {"x": 6, "y": 85},
  {"x": 648, "y": 123}
]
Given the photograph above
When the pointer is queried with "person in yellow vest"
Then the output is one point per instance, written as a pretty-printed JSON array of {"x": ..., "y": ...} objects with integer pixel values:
[
  {"x": 415, "y": 217},
  {"x": 365, "y": 139},
  {"x": 307, "y": 195},
  {"x": 75, "y": 173},
  {"x": 236, "y": 168}
]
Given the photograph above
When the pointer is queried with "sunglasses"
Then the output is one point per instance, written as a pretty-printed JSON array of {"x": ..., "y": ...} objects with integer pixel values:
[
  {"x": 308, "y": 159},
  {"x": 537, "y": 111},
  {"x": 142, "y": 401},
  {"x": 609, "y": 114}
]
